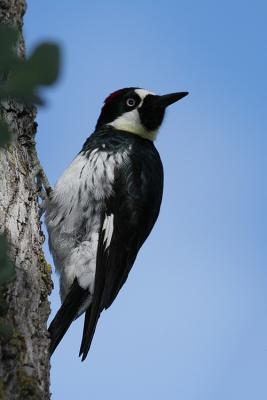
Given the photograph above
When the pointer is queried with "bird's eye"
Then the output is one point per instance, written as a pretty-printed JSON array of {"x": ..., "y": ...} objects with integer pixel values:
[{"x": 130, "y": 102}]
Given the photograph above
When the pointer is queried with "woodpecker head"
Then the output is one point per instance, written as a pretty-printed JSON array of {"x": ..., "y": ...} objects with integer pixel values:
[{"x": 136, "y": 111}]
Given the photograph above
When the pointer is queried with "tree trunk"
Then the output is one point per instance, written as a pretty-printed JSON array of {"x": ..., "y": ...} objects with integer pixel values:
[{"x": 24, "y": 360}]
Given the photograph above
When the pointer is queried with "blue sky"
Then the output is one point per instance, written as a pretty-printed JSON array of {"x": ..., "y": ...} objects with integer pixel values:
[{"x": 191, "y": 321}]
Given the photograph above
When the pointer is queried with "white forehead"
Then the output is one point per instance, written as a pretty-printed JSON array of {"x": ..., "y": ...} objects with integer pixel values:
[{"x": 142, "y": 93}]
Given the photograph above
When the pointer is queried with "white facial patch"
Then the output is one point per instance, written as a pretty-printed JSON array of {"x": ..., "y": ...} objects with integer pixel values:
[{"x": 130, "y": 120}]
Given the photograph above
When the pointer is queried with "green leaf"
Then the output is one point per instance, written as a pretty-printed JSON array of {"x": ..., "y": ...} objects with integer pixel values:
[
  {"x": 6, "y": 331},
  {"x": 3, "y": 304},
  {"x": 21, "y": 79},
  {"x": 4, "y": 134},
  {"x": 44, "y": 64},
  {"x": 8, "y": 40},
  {"x": 7, "y": 269},
  {"x": 42, "y": 68}
]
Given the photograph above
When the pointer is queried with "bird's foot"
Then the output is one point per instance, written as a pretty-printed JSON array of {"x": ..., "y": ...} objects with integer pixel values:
[{"x": 43, "y": 187}]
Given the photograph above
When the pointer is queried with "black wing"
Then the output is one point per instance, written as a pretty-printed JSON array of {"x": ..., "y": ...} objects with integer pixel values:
[{"x": 134, "y": 208}]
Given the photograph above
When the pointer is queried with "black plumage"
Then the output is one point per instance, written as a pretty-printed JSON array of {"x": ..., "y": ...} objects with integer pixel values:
[{"x": 135, "y": 204}]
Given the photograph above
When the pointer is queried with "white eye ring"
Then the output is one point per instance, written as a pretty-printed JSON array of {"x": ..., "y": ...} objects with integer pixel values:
[{"x": 130, "y": 102}]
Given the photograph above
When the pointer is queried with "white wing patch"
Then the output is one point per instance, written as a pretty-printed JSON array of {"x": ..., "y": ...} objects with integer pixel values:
[{"x": 108, "y": 228}]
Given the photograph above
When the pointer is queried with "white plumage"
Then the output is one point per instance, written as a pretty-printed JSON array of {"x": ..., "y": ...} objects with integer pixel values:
[{"x": 73, "y": 217}]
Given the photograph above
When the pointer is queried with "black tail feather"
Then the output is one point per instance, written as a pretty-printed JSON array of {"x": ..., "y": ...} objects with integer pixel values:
[
  {"x": 85, "y": 331},
  {"x": 90, "y": 322},
  {"x": 66, "y": 314}
]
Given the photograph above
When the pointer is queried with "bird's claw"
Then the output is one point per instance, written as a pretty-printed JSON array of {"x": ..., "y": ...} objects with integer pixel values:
[{"x": 43, "y": 188}]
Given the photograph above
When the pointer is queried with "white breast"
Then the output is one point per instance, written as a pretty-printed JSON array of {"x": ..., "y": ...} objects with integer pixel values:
[{"x": 73, "y": 216}]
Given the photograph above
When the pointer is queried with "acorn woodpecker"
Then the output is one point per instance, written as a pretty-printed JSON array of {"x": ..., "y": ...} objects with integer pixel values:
[{"x": 104, "y": 206}]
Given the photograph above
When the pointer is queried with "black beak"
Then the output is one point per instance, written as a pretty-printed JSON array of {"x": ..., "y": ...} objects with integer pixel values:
[
  {"x": 168, "y": 99},
  {"x": 153, "y": 108}
]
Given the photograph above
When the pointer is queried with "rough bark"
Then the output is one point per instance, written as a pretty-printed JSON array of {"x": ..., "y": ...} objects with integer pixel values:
[{"x": 24, "y": 361}]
